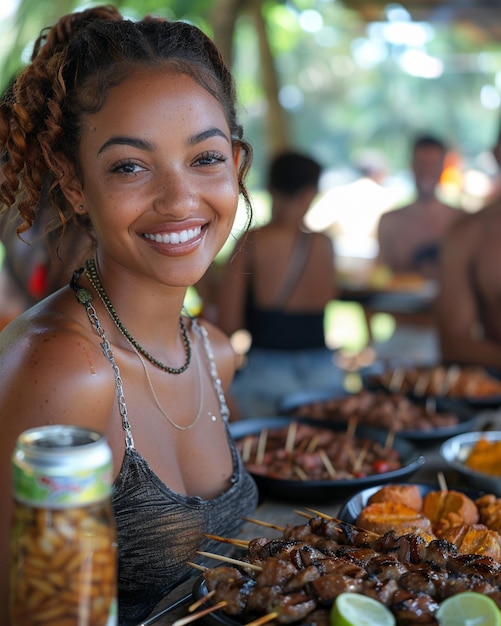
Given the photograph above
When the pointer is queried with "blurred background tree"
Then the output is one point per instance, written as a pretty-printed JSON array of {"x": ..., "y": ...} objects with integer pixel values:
[
  {"x": 349, "y": 81},
  {"x": 315, "y": 74}
]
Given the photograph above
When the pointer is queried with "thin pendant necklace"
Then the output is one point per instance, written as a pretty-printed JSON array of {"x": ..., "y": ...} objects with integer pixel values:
[
  {"x": 157, "y": 401},
  {"x": 95, "y": 281}
]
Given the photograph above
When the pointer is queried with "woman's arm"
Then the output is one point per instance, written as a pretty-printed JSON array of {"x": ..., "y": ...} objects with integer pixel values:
[
  {"x": 232, "y": 292},
  {"x": 458, "y": 314}
]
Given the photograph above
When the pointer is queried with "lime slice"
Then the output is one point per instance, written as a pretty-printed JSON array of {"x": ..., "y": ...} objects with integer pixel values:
[
  {"x": 468, "y": 609},
  {"x": 353, "y": 609}
]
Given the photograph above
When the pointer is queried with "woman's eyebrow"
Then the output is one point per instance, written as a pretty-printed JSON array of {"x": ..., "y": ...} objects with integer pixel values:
[
  {"x": 127, "y": 141},
  {"x": 142, "y": 144},
  {"x": 206, "y": 134}
]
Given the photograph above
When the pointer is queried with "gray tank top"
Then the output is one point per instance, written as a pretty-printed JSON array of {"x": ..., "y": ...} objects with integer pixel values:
[{"x": 159, "y": 530}]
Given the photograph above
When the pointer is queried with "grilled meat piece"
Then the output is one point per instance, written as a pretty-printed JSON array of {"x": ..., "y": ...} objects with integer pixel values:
[{"x": 413, "y": 608}]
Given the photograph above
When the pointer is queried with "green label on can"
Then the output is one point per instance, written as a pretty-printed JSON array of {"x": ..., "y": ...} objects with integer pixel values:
[{"x": 47, "y": 489}]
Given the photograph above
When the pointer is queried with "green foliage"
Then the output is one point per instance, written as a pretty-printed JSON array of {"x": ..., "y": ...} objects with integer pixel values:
[{"x": 343, "y": 103}]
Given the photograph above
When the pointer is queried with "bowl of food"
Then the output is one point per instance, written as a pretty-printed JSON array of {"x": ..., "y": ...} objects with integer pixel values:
[
  {"x": 476, "y": 456},
  {"x": 471, "y": 385},
  {"x": 422, "y": 422},
  {"x": 314, "y": 460}
]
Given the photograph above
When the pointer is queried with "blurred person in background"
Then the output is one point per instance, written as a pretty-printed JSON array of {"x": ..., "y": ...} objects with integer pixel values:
[
  {"x": 409, "y": 240},
  {"x": 39, "y": 260},
  {"x": 276, "y": 286},
  {"x": 469, "y": 302},
  {"x": 409, "y": 237}
]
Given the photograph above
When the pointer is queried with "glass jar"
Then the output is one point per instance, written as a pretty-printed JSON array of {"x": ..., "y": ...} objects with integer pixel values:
[{"x": 63, "y": 542}]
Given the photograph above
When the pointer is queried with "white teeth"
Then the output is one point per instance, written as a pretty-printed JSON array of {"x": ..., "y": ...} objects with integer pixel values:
[{"x": 181, "y": 237}]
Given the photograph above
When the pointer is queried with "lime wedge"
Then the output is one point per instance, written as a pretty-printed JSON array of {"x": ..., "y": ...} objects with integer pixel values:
[
  {"x": 353, "y": 609},
  {"x": 468, "y": 609}
]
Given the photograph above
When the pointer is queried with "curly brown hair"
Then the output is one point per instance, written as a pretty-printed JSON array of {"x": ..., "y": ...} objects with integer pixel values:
[{"x": 73, "y": 65}]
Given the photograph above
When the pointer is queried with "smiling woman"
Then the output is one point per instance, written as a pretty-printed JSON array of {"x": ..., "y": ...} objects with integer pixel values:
[{"x": 129, "y": 129}]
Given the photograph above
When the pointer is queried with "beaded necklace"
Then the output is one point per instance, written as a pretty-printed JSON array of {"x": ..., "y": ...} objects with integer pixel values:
[{"x": 95, "y": 281}]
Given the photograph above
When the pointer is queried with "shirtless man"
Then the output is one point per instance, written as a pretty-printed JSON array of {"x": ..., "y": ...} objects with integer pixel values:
[
  {"x": 409, "y": 237},
  {"x": 469, "y": 304}
]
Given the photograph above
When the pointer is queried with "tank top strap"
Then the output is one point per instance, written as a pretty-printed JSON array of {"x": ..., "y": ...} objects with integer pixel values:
[
  {"x": 202, "y": 333},
  {"x": 84, "y": 296}
]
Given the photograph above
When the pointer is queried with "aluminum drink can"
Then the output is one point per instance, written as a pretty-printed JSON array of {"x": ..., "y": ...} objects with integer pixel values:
[{"x": 63, "y": 561}]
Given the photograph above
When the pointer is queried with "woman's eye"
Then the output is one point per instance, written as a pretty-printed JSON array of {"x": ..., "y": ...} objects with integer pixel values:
[
  {"x": 126, "y": 167},
  {"x": 209, "y": 158}
]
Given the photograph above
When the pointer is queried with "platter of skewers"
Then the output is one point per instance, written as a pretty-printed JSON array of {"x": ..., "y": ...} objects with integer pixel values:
[
  {"x": 295, "y": 577},
  {"x": 423, "y": 422},
  {"x": 315, "y": 460},
  {"x": 469, "y": 384}
]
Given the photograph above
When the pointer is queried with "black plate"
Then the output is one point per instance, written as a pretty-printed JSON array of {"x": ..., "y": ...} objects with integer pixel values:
[
  {"x": 353, "y": 506},
  {"x": 217, "y": 618},
  {"x": 326, "y": 490},
  {"x": 467, "y": 418},
  {"x": 372, "y": 382}
]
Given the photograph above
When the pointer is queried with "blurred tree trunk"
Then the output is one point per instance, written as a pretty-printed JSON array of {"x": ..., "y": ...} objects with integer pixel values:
[
  {"x": 276, "y": 122},
  {"x": 223, "y": 19}
]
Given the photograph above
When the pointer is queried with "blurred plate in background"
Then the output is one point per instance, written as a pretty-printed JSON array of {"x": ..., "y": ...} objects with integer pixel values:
[{"x": 419, "y": 421}]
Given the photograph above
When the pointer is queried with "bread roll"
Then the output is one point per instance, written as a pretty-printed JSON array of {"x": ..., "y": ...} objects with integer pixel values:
[
  {"x": 381, "y": 517},
  {"x": 410, "y": 495},
  {"x": 446, "y": 509},
  {"x": 476, "y": 539}
]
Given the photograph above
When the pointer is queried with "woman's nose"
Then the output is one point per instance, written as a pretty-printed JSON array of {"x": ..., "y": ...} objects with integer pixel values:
[{"x": 176, "y": 193}]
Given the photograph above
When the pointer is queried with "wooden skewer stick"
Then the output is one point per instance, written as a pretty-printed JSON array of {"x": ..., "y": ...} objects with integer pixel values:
[
  {"x": 196, "y": 605},
  {"x": 352, "y": 427},
  {"x": 303, "y": 514},
  {"x": 246, "y": 449},
  {"x": 388, "y": 445},
  {"x": 261, "y": 446},
  {"x": 319, "y": 513},
  {"x": 334, "y": 519},
  {"x": 202, "y": 568},
  {"x": 240, "y": 543},
  {"x": 327, "y": 463},
  {"x": 265, "y": 524},
  {"x": 195, "y": 616},
  {"x": 291, "y": 437},
  {"x": 313, "y": 444},
  {"x": 421, "y": 384},
  {"x": 359, "y": 461},
  {"x": 340, "y": 521},
  {"x": 451, "y": 378},
  {"x": 442, "y": 482},
  {"x": 264, "y": 619},
  {"x": 227, "y": 559},
  {"x": 299, "y": 471},
  {"x": 396, "y": 380}
]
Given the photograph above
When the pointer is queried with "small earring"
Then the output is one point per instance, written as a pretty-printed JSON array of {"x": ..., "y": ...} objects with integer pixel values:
[{"x": 80, "y": 208}]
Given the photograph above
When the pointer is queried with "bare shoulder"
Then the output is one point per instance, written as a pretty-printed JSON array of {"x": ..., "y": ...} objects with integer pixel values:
[
  {"x": 53, "y": 369},
  {"x": 467, "y": 228},
  {"x": 394, "y": 217}
]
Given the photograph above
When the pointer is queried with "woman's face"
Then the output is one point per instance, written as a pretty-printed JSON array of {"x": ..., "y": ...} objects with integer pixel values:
[{"x": 158, "y": 176}]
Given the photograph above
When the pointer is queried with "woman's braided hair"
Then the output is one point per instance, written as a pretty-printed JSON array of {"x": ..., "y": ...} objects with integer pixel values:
[{"x": 73, "y": 66}]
